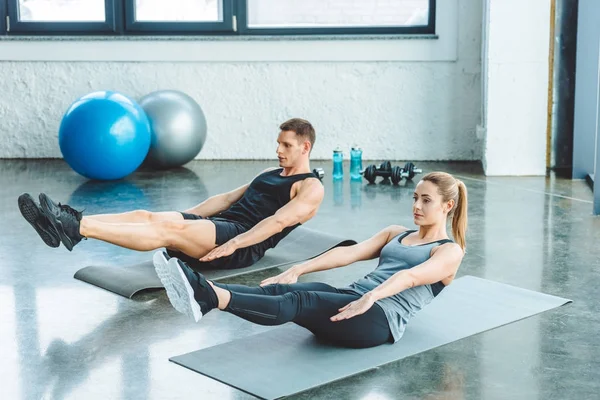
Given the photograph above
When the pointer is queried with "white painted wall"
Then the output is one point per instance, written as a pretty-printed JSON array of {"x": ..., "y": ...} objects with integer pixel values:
[
  {"x": 516, "y": 95},
  {"x": 398, "y": 98}
]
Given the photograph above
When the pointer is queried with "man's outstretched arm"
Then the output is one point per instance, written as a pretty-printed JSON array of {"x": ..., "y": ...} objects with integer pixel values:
[
  {"x": 221, "y": 202},
  {"x": 299, "y": 210},
  {"x": 218, "y": 203}
]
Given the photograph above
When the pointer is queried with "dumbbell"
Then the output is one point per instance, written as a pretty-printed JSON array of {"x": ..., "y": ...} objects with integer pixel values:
[
  {"x": 319, "y": 173},
  {"x": 372, "y": 171},
  {"x": 385, "y": 170},
  {"x": 409, "y": 171}
]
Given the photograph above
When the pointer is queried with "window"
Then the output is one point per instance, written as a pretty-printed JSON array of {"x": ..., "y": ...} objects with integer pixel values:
[
  {"x": 62, "y": 11},
  {"x": 179, "y": 16},
  {"x": 337, "y": 16},
  {"x": 179, "y": 10},
  {"x": 61, "y": 16},
  {"x": 222, "y": 17}
]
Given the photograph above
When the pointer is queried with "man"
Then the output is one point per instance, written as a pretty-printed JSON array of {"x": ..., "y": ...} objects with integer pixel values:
[{"x": 229, "y": 230}]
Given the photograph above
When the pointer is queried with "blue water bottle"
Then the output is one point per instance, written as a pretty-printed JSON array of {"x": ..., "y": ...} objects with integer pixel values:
[
  {"x": 355, "y": 163},
  {"x": 338, "y": 169}
]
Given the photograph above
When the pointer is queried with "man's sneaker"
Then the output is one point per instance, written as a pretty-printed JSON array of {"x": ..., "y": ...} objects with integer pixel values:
[
  {"x": 64, "y": 219},
  {"x": 188, "y": 291},
  {"x": 32, "y": 212}
]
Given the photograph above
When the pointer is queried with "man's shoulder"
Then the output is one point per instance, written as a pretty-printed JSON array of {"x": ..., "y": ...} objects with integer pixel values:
[
  {"x": 265, "y": 171},
  {"x": 311, "y": 186}
]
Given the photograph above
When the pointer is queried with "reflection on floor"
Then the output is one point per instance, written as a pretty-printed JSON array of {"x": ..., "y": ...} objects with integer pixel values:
[{"x": 62, "y": 338}]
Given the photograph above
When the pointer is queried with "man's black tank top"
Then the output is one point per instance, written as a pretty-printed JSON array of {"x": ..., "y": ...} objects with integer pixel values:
[{"x": 267, "y": 193}]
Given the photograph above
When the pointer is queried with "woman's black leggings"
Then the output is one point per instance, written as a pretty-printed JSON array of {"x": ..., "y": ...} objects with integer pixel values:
[{"x": 310, "y": 305}]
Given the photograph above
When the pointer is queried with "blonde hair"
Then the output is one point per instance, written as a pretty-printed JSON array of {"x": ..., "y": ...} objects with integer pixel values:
[{"x": 451, "y": 188}]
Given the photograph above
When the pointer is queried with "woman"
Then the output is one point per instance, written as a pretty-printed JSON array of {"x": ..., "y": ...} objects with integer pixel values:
[{"x": 414, "y": 266}]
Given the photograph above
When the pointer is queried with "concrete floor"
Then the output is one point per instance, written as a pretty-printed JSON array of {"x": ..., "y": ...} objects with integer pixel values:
[{"x": 64, "y": 339}]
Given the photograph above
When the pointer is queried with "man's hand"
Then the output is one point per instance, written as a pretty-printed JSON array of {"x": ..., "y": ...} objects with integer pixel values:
[
  {"x": 285, "y": 277},
  {"x": 354, "y": 308},
  {"x": 224, "y": 250}
]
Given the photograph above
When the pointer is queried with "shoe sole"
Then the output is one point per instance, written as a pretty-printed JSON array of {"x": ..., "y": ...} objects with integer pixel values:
[
  {"x": 31, "y": 213},
  {"x": 179, "y": 290},
  {"x": 45, "y": 204}
]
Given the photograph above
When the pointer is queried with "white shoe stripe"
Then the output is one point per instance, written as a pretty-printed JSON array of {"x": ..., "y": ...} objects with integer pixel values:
[{"x": 179, "y": 290}]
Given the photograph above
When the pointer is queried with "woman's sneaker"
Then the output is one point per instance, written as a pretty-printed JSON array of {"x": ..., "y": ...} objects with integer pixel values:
[{"x": 188, "y": 291}]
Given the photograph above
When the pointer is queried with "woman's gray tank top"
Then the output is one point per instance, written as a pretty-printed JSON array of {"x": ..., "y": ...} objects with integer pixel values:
[{"x": 395, "y": 257}]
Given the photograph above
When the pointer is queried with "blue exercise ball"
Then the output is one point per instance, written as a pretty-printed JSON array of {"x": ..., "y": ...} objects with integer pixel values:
[{"x": 104, "y": 135}]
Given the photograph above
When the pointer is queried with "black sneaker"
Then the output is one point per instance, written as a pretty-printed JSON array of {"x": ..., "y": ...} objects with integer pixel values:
[
  {"x": 64, "y": 219},
  {"x": 188, "y": 291},
  {"x": 32, "y": 212}
]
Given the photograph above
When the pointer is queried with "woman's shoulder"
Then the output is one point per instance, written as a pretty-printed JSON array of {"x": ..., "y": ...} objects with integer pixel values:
[
  {"x": 395, "y": 231},
  {"x": 451, "y": 248}
]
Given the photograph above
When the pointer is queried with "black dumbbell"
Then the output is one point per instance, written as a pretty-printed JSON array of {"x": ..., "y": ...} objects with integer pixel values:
[
  {"x": 396, "y": 175},
  {"x": 409, "y": 171},
  {"x": 372, "y": 171},
  {"x": 385, "y": 170},
  {"x": 319, "y": 173}
]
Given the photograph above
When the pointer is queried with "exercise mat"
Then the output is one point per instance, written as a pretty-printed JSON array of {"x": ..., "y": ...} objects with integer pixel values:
[
  {"x": 288, "y": 359},
  {"x": 300, "y": 245}
]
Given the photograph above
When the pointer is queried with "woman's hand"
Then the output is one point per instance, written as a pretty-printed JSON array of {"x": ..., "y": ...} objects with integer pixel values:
[
  {"x": 286, "y": 277},
  {"x": 355, "y": 308}
]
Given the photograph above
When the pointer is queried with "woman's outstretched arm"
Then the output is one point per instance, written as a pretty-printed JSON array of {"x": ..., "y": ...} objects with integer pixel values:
[
  {"x": 442, "y": 264},
  {"x": 339, "y": 256}
]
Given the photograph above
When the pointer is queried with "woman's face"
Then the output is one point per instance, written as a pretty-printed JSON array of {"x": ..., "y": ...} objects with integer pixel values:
[{"x": 428, "y": 207}]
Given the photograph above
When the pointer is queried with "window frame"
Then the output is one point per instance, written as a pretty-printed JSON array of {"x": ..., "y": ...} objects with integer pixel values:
[
  {"x": 3, "y": 15},
  {"x": 188, "y": 27},
  {"x": 428, "y": 29},
  {"x": 111, "y": 24},
  {"x": 120, "y": 21}
]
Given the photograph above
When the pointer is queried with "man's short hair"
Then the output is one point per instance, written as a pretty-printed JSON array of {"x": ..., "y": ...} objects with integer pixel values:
[{"x": 302, "y": 128}]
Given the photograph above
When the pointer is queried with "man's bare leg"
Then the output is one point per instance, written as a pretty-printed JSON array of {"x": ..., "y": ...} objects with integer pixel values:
[
  {"x": 194, "y": 238},
  {"x": 138, "y": 217}
]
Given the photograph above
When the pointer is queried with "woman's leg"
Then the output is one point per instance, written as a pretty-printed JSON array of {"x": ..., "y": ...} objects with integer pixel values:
[
  {"x": 190, "y": 293},
  {"x": 277, "y": 289},
  {"x": 313, "y": 310}
]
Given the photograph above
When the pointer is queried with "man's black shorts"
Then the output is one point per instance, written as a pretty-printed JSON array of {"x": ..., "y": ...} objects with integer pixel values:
[{"x": 225, "y": 230}]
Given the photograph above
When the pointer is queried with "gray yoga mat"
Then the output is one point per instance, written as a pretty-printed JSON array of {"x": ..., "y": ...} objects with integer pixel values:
[
  {"x": 301, "y": 244},
  {"x": 288, "y": 359}
]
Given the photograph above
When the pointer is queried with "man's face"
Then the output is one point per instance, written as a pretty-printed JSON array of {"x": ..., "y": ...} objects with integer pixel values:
[{"x": 290, "y": 149}]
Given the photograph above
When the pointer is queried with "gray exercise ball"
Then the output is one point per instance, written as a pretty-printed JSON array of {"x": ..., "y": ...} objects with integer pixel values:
[{"x": 178, "y": 128}]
